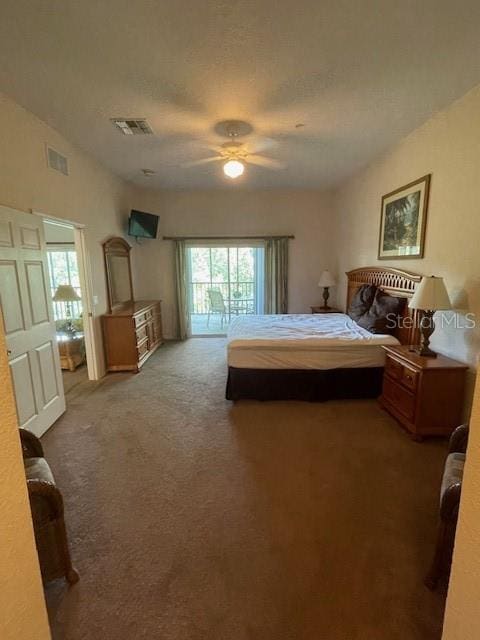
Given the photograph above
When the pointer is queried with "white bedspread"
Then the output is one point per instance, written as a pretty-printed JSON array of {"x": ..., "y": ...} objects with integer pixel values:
[{"x": 297, "y": 341}]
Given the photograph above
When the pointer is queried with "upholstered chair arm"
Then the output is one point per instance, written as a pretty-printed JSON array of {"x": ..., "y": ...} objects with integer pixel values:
[
  {"x": 459, "y": 439},
  {"x": 31, "y": 445},
  {"x": 46, "y": 501},
  {"x": 450, "y": 502}
]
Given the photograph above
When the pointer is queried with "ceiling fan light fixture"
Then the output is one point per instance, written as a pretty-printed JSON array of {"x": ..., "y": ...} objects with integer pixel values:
[{"x": 233, "y": 168}]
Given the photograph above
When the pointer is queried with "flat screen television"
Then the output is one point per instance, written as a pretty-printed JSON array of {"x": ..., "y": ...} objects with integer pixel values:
[{"x": 142, "y": 225}]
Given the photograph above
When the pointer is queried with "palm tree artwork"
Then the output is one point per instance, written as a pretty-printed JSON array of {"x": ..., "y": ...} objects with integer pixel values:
[{"x": 402, "y": 222}]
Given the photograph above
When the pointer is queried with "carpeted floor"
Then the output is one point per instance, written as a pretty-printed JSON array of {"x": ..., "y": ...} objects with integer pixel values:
[
  {"x": 73, "y": 378},
  {"x": 194, "y": 519}
]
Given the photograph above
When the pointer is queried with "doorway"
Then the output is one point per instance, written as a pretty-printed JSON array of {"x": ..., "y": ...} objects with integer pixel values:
[
  {"x": 223, "y": 282},
  {"x": 27, "y": 313},
  {"x": 68, "y": 301}
]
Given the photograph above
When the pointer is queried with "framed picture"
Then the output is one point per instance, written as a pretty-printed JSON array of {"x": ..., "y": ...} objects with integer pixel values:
[{"x": 403, "y": 221}]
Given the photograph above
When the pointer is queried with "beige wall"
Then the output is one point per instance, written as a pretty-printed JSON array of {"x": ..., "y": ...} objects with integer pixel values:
[
  {"x": 89, "y": 195},
  {"x": 448, "y": 147},
  {"x": 58, "y": 234},
  {"x": 22, "y": 606},
  {"x": 306, "y": 214}
]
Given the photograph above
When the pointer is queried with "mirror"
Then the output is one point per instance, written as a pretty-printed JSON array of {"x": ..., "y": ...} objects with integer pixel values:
[{"x": 119, "y": 275}]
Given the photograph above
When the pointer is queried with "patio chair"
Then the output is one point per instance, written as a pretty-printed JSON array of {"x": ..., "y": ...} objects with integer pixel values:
[{"x": 216, "y": 304}]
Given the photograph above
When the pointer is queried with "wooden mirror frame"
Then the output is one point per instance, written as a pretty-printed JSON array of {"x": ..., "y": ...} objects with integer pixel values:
[{"x": 116, "y": 247}]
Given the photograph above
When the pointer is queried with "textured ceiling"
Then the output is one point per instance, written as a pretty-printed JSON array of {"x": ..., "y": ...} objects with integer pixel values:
[{"x": 359, "y": 75}]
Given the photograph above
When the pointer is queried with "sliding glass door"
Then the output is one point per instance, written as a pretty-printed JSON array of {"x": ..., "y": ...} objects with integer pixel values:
[{"x": 223, "y": 282}]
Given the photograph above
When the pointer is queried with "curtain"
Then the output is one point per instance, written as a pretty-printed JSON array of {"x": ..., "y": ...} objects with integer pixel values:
[
  {"x": 183, "y": 319},
  {"x": 276, "y": 275}
]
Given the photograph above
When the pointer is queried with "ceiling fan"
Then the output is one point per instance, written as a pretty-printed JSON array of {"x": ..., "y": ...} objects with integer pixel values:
[{"x": 234, "y": 153}]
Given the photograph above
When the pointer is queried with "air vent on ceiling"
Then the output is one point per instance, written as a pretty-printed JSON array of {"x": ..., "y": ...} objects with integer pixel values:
[
  {"x": 56, "y": 161},
  {"x": 135, "y": 127}
]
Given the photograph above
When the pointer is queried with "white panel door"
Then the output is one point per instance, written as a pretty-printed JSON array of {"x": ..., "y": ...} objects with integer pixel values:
[{"x": 28, "y": 320}]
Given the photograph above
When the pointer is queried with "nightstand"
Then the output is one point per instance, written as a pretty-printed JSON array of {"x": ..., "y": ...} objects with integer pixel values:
[
  {"x": 71, "y": 350},
  {"x": 321, "y": 309},
  {"x": 424, "y": 394}
]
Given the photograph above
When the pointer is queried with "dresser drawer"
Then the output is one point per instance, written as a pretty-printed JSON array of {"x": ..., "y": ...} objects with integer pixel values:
[
  {"x": 154, "y": 334},
  {"x": 409, "y": 378},
  {"x": 394, "y": 368},
  {"x": 400, "y": 398},
  {"x": 142, "y": 348},
  {"x": 141, "y": 333},
  {"x": 404, "y": 374},
  {"x": 140, "y": 319}
]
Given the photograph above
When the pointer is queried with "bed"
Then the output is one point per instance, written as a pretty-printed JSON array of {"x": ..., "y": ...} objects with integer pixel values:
[{"x": 317, "y": 357}]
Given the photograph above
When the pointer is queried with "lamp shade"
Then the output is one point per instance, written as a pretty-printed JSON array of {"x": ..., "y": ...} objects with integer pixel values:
[
  {"x": 66, "y": 293},
  {"x": 430, "y": 295},
  {"x": 326, "y": 280}
]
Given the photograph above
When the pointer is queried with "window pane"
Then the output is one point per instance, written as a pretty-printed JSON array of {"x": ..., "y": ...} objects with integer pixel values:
[
  {"x": 200, "y": 264},
  {"x": 60, "y": 269},
  {"x": 63, "y": 268},
  {"x": 74, "y": 279},
  {"x": 219, "y": 264},
  {"x": 246, "y": 268},
  {"x": 233, "y": 252}
]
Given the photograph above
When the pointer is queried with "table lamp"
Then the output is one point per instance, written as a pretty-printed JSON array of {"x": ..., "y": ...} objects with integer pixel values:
[
  {"x": 326, "y": 281},
  {"x": 66, "y": 293},
  {"x": 430, "y": 296}
]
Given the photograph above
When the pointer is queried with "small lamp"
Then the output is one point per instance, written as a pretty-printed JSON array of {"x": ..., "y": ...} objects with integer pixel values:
[
  {"x": 430, "y": 296},
  {"x": 66, "y": 293},
  {"x": 326, "y": 281}
]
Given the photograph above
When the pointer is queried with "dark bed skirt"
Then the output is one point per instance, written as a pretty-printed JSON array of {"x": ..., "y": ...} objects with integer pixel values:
[{"x": 312, "y": 385}]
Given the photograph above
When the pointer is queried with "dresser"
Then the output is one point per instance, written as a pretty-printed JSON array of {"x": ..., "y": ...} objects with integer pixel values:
[
  {"x": 424, "y": 394},
  {"x": 131, "y": 333}
]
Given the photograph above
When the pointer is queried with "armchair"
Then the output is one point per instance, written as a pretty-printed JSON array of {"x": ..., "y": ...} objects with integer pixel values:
[
  {"x": 450, "y": 493},
  {"x": 46, "y": 504}
]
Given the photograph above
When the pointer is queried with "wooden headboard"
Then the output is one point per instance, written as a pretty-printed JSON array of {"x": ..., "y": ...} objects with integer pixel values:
[{"x": 395, "y": 282}]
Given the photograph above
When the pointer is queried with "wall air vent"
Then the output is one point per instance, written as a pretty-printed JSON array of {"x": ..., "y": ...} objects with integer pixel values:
[
  {"x": 133, "y": 127},
  {"x": 56, "y": 161}
]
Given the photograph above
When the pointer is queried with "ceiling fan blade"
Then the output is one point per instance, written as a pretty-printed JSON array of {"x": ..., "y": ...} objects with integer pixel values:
[
  {"x": 196, "y": 163},
  {"x": 212, "y": 147},
  {"x": 263, "y": 161},
  {"x": 261, "y": 143}
]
